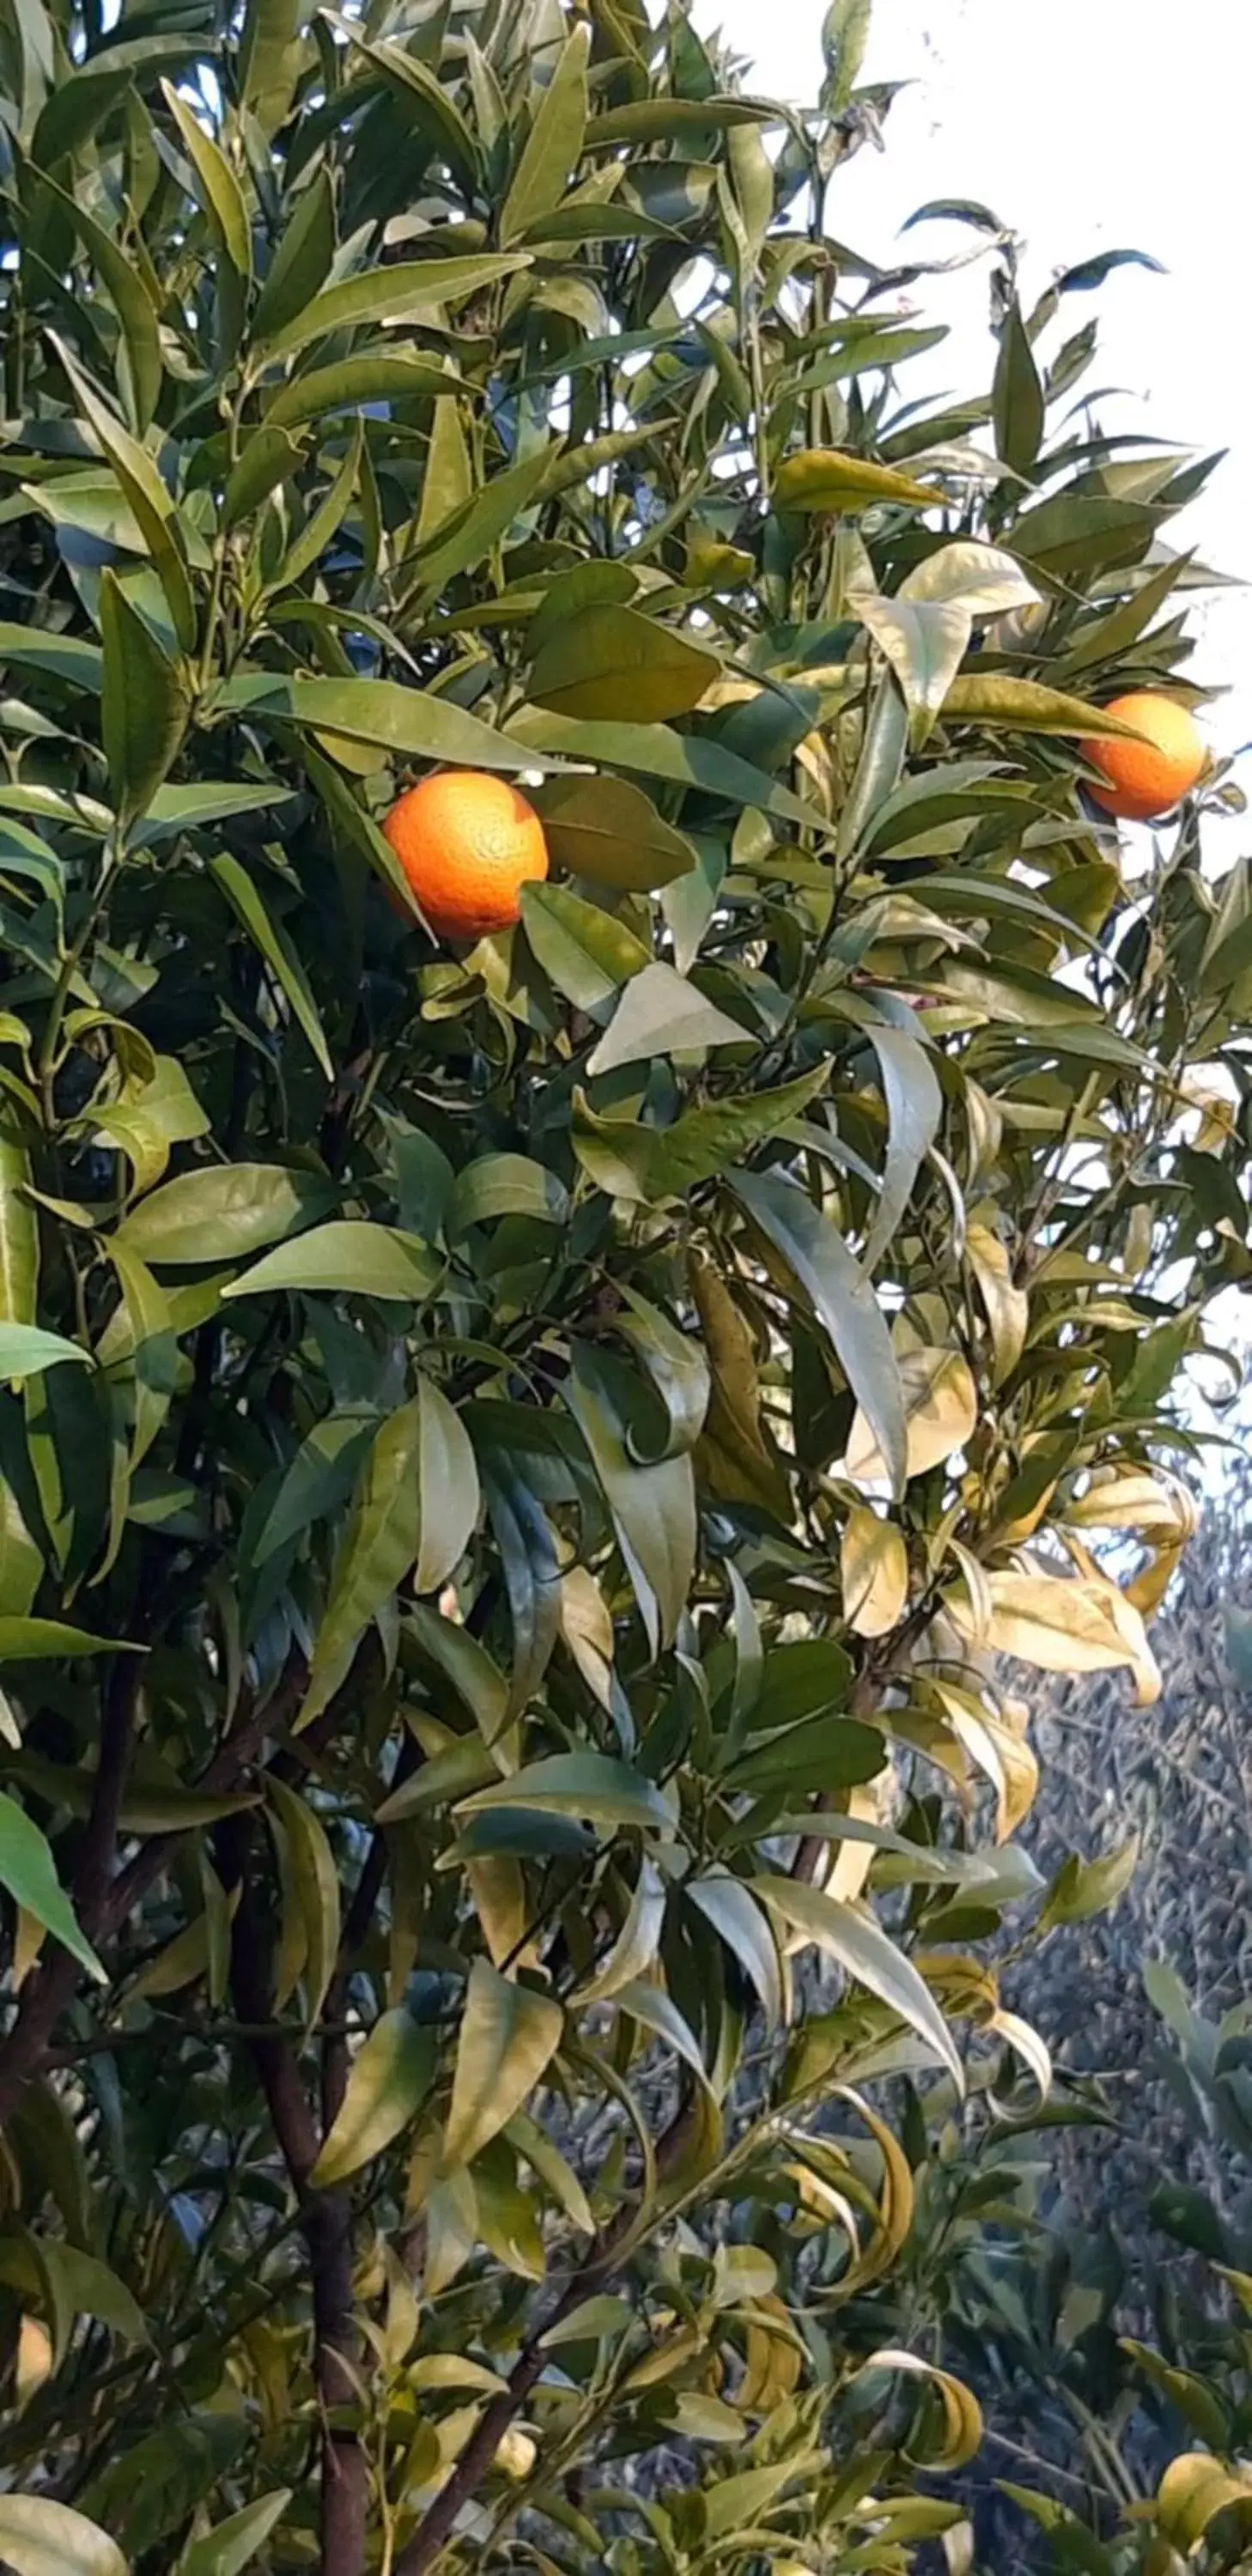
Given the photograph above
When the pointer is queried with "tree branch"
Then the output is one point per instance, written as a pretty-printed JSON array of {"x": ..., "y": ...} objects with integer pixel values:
[{"x": 326, "y": 2219}]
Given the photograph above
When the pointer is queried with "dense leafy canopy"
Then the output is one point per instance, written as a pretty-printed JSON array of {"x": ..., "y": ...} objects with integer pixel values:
[{"x": 517, "y": 1466}]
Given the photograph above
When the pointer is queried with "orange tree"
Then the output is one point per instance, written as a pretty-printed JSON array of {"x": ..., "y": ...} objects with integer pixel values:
[{"x": 519, "y": 1460}]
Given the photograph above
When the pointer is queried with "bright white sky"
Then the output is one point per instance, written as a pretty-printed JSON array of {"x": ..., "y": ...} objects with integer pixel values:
[{"x": 1090, "y": 125}]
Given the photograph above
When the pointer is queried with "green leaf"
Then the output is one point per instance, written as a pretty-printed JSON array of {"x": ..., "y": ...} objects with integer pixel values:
[
  {"x": 145, "y": 704},
  {"x": 852, "y": 1936},
  {"x": 391, "y": 2076},
  {"x": 631, "y": 1161},
  {"x": 19, "y": 1238},
  {"x": 346, "y": 1257},
  {"x": 40, "y": 2538},
  {"x": 26, "y": 1350},
  {"x": 270, "y": 457},
  {"x": 469, "y": 534},
  {"x": 378, "y": 1548},
  {"x": 269, "y": 58},
  {"x": 605, "y": 829},
  {"x": 410, "y": 722},
  {"x": 554, "y": 143},
  {"x": 300, "y": 263},
  {"x": 448, "y": 1487},
  {"x": 730, "y": 1906},
  {"x": 223, "y": 1212},
  {"x": 497, "y": 1185},
  {"x": 822, "y": 479},
  {"x": 591, "y": 1786},
  {"x": 64, "y": 657},
  {"x": 233, "y": 2544},
  {"x": 1073, "y": 533},
  {"x": 686, "y": 760},
  {"x": 668, "y": 120},
  {"x": 508, "y": 2036},
  {"x": 28, "y": 1872},
  {"x": 145, "y": 494},
  {"x": 372, "y": 377},
  {"x": 1027, "y": 706},
  {"x": 42, "y": 1641},
  {"x": 389, "y": 297},
  {"x": 653, "y": 1507},
  {"x": 320, "y": 1478},
  {"x": 324, "y": 522},
  {"x": 216, "y": 185},
  {"x": 610, "y": 662},
  {"x": 314, "y": 1882},
  {"x": 842, "y": 1298},
  {"x": 590, "y": 2322},
  {"x": 273, "y": 944},
  {"x": 914, "y": 1109},
  {"x": 1017, "y": 406},
  {"x": 586, "y": 953},
  {"x": 131, "y": 303},
  {"x": 1082, "y": 1888},
  {"x": 660, "y": 1013}
]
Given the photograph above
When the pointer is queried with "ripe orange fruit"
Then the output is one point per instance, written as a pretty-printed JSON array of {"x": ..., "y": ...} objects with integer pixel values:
[
  {"x": 1146, "y": 778},
  {"x": 467, "y": 843}
]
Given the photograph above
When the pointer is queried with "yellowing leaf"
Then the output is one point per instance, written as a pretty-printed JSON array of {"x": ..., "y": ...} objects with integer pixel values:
[
  {"x": 822, "y": 478},
  {"x": 1063, "y": 1626},
  {"x": 941, "y": 1409},
  {"x": 1193, "y": 2491},
  {"x": 508, "y": 2035},
  {"x": 39, "y": 2538},
  {"x": 388, "y": 2083},
  {"x": 874, "y": 1571},
  {"x": 1007, "y": 1307}
]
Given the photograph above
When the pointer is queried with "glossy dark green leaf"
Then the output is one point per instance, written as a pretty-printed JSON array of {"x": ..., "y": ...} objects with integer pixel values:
[
  {"x": 1017, "y": 396},
  {"x": 246, "y": 901},
  {"x": 145, "y": 704},
  {"x": 300, "y": 263},
  {"x": 132, "y": 304},
  {"x": 607, "y": 830},
  {"x": 633, "y": 1161}
]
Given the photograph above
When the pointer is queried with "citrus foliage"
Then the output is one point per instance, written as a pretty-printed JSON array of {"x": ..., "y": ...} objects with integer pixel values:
[{"x": 518, "y": 1463}]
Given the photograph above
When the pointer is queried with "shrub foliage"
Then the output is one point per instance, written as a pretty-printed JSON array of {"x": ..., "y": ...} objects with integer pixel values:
[{"x": 519, "y": 1464}]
